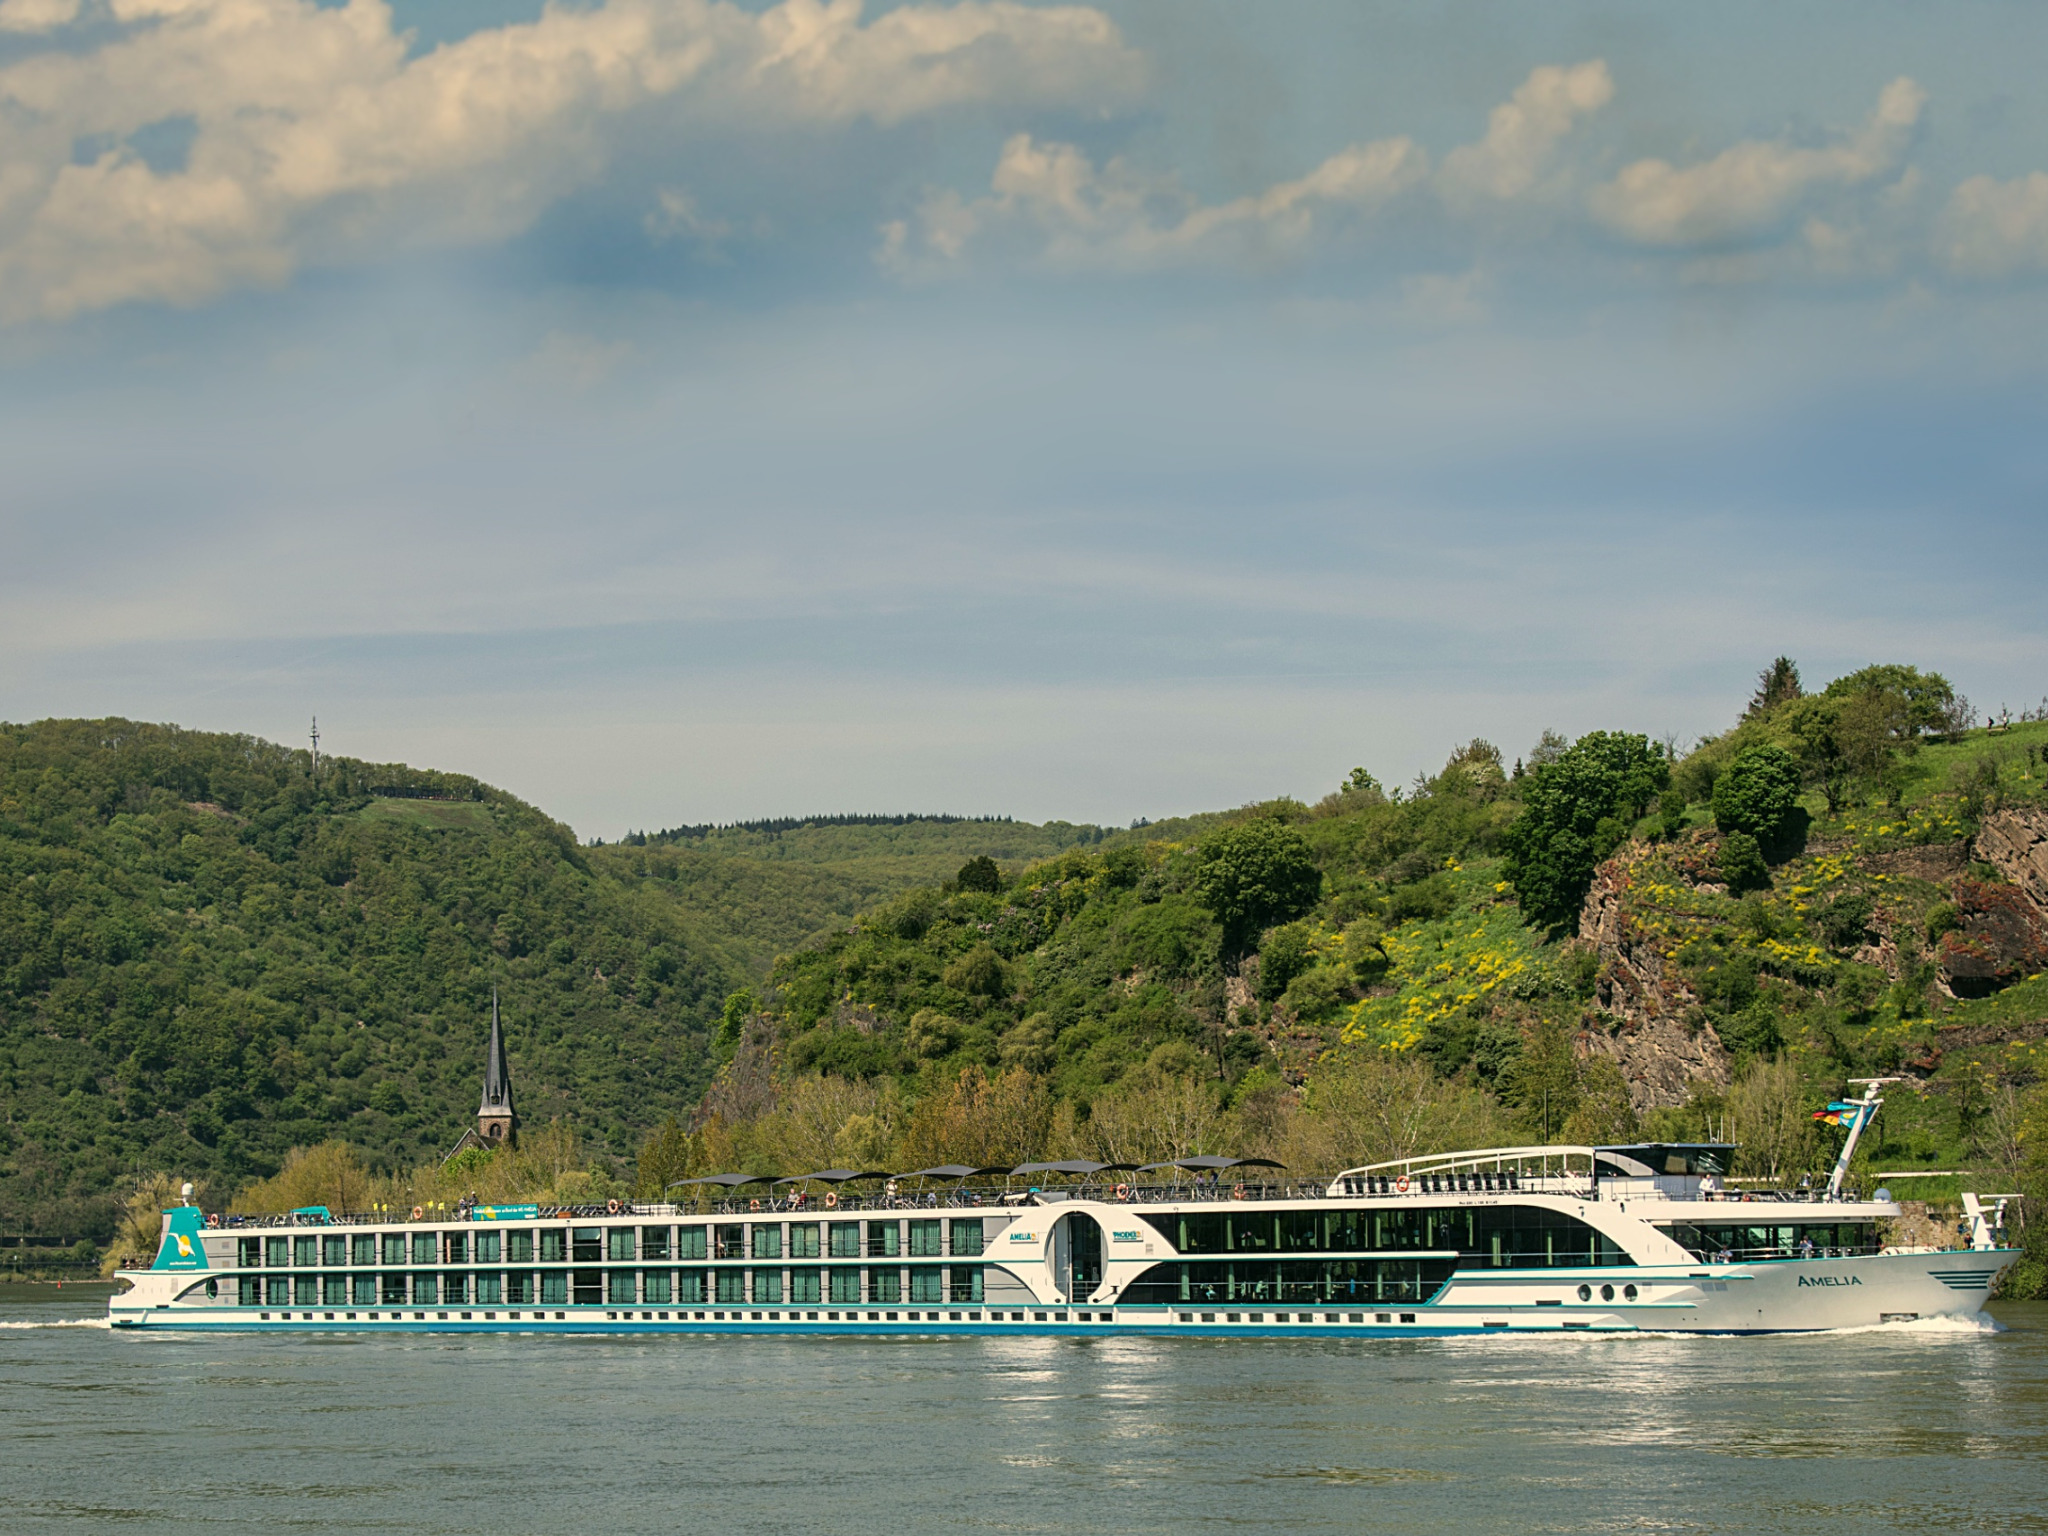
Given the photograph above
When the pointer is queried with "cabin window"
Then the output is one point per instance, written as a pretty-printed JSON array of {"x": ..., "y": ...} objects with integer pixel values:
[
  {"x": 768, "y": 1242},
  {"x": 554, "y": 1288},
  {"x": 457, "y": 1245},
  {"x": 277, "y": 1290},
  {"x": 305, "y": 1290},
  {"x": 334, "y": 1251},
  {"x": 803, "y": 1287},
  {"x": 276, "y": 1252},
  {"x": 425, "y": 1289},
  {"x": 554, "y": 1245},
  {"x": 587, "y": 1244},
  {"x": 884, "y": 1285},
  {"x": 967, "y": 1238},
  {"x": 732, "y": 1241},
  {"x": 619, "y": 1287},
  {"x": 924, "y": 1239},
  {"x": 589, "y": 1287},
  {"x": 519, "y": 1289},
  {"x": 334, "y": 1290},
  {"x": 690, "y": 1243},
  {"x": 965, "y": 1283},
  {"x": 654, "y": 1243},
  {"x": 391, "y": 1290},
  {"x": 364, "y": 1289},
  {"x": 883, "y": 1239},
  {"x": 249, "y": 1290},
  {"x": 362, "y": 1248},
  {"x": 845, "y": 1239},
  {"x": 846, "y": 1287},
  {"x": 927, "y": 1282},
  {"x": 767, "y": 1287},
  {"x": 248, "y": 1252},
  {"x": 518, "y": 1247},
  {"x": 619, "y": 1245},
  {"x": 426, "y": 1248},
  {"x": 488, "y": 1245},
  {"x": 732, "y": 1285},
  {"x": 490, "y": 1290},
  {"x": 305, "y": 1252},
  {"x": 690, "y": 1286},
  {"x": 654, "y": 1285},
  {"x": 394, "y": 1247},
  {"x": 803, "y": 1240},
  {"x": 454, "y": 1290}
]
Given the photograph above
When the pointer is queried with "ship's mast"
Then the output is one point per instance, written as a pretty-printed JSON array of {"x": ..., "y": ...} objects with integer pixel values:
[{"x": 1866, "y": 1111}]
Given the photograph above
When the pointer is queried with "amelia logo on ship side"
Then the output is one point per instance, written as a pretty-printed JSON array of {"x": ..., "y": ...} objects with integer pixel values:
[{"x": 1806, "y": 1280}]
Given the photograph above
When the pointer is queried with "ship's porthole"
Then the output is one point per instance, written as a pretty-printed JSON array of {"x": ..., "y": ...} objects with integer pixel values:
[
  {"x": 1585, "y": 1293},
  {"x": 1607, "y": 1293},
  {"x": 1628, "y": 1293}
]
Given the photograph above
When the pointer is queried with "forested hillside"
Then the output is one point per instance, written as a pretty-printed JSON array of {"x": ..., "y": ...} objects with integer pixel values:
[{"x": 209, "y": 954}]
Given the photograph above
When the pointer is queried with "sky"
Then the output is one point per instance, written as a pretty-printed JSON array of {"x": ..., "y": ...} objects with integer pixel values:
[{"x": 682, "y": 412}]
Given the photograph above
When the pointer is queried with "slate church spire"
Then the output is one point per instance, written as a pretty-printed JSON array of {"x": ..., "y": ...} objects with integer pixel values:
[{"x": 495, "y": 1122}]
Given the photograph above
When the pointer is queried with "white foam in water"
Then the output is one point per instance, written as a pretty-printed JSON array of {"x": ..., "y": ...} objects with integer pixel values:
[
  {"x": 1976, "y": 1327},
  {"x": 59, "y": 1322}
]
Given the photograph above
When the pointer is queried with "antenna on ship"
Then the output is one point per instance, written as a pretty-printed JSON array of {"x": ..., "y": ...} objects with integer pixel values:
[
  {"x": 1858, "y": 1113},
  {"x": 316, "y": 746}
]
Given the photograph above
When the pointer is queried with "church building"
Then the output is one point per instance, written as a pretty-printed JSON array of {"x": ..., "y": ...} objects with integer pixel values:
[{"x": 496, "y": 1123}]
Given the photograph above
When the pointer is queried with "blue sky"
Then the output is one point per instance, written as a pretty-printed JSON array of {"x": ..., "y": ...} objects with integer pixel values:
[{"x": 680, "y": 412}]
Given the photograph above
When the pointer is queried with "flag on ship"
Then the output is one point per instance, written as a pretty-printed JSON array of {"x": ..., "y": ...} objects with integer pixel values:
[{"x": 1839, "y": 1113}]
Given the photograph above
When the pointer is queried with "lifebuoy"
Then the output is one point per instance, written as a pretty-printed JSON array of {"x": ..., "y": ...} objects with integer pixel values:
[
  {"x": 753, "y": 1205},
  {"x": 1237, "y": 1193},
  {"x": 1401, "y": 1185},
  {"x": 1123, "y": 1191},
  {"x": 213, "y": 1220},
  {"x": 418, "y": 1212},
  {"x": 831, "y": 1199},
  {"x": 611, "y": 1207}
]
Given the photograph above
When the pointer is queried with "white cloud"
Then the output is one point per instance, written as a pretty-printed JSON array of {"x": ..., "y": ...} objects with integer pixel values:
[
  {"x": 1752, "y": 188},
  {"x": 1054, "y": 202},
  {"x": 1995, "y": 227},
  {"x": 37, "y": 15},
  {"x": 313, "y": 133},
  {"x": 1524, "y": 130}
]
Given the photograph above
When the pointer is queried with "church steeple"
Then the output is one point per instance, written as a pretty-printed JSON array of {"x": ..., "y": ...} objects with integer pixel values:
[{"x": 495, "y": 1122}]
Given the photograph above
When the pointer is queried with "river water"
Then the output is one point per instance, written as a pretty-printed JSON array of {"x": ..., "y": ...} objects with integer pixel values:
[{"x": 1919, "y": 1427}]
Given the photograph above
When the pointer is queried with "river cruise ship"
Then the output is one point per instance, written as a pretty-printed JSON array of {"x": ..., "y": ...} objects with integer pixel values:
[{"x": 1551, "y": 1239}]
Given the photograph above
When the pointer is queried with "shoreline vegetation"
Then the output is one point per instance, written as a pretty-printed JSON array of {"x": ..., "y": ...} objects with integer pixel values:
[{"x": 223, "y": 965}]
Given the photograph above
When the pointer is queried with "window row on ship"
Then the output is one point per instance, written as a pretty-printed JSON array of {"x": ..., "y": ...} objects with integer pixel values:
[
  {"x": 958, "y": 1238},
  {"x": 849, "y": 1286}
]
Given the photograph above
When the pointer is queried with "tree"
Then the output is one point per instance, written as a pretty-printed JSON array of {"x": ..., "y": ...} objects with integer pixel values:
[
  {"x": 1758, "y": 794},
  {"x": 664, "y": 1158},
  {"x": 1575, "y": 809},
  {"x": 1928, "y": 702},
  {"x": 1776, "y": 684},
  {"x": 1772, "y": 1119},
  {"x": 1742, "y": 864},
  {"x": 1253, "y": 875},
  {"x": 980, "y": 874}
]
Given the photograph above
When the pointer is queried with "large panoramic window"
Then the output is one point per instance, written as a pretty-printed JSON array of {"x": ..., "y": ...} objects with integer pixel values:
[
  {"x": 305, "y": 1290},
  {"x": 1793, "y": 1240},
  {"x": 334, "y": 1250},
  {"x": 554, "y": 1245},
  {"x": 425, "y": 1289},
  {"x": 364, "y": 1289},
  {"x": 619, "y": 1287},
  {"x": 305, "y": 1251},
  {"x": 1500, "y": 1236},
  {"x": 276, "y": 1252},
  {"x": 588, "y": 1287},
  {"x": 248, "y": 1252},
  {"x": 967, "y": 1237},
  {"x": 554, "y": 1288},
  {"x": 965, "y": 1283},
  {"x": 732, "y": 1285},
  {"x": 490, "y": 1289},
  {"x": 391, "y": 1290},
  {"x": 587, "y": 1245},
  {"x": 519, "y": 1289},
  {"x": 732, "y": 1240},
  {"x": 394, "y": 1247},
  {"x": 363, "y": 1248},
  {"x": 768, "y": 1242},
  {"x": 454, "y": 1289},
  {"x": 883, "y": 1237},
  {"x": 690, "y": 1286},
  {"x": 334, "y": 1290},
  {"x": 425, "y": 1248},
  {"x": 249, "y": 1290},
  {"x": 455, "y": 1246}
]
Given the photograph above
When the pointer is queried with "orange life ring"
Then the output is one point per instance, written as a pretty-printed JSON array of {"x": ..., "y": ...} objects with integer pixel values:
[
  {"x": 1123, "y": 1191},
  {"x": 418, "y": 1213},
  {"x": 213, "y": 1220},
  {"x": 1401, "y": 1185},
  {"x": 831, "y": 1199},
  {"x": 753, "y": 1205},
  {"x": 611, "y": 1207}
]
